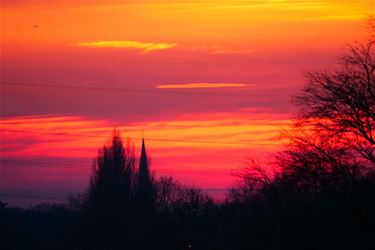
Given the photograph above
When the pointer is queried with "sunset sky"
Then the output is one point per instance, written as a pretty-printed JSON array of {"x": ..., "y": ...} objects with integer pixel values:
[{"x": 208, "y": 84}]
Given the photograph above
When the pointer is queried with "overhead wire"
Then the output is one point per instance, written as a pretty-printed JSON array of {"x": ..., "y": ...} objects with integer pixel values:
[
  {"x": 138, "y": 138},
  {"x": 22, "y": 163}
]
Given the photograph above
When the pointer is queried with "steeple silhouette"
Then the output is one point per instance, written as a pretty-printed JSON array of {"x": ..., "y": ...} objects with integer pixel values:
[
  {"x": 143, "y": 165},
  {"x": 144, "y": 189}
]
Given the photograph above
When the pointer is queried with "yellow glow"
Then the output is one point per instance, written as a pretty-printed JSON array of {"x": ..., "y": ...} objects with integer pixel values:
[
  {"x": 146, "y": 47},
  {"x": 80, "y": 137},
  {"x": 225, "y": 26},
  {"x": 201, "y": 85}
]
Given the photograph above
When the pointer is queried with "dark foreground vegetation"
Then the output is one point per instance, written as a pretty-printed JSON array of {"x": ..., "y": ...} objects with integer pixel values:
[{"x": 320, "y": 193}]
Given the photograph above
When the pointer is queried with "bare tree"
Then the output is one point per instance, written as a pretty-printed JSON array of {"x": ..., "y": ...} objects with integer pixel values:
[
  {"x": 167, "y": 192},
  {"x": 256, "y": 182},
  {"x": 342, "y": 102}
]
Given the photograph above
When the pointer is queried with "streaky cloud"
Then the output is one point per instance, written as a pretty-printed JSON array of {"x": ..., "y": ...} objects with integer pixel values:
[
  {"x": 201, "y": 85},
  {"x": 144, "y": 46}
]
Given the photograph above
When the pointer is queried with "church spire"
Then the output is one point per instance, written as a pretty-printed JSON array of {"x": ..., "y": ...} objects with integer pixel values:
[
  {"x": 144, "y": 188},
  {"x": 143, "y": 162}
]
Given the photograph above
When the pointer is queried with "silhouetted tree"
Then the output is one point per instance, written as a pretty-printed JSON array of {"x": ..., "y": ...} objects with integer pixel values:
[
  {"x": 342, "y": 102},
  {"x": 2, "y": 224},
  {"x": 187, "y": 213},
  {"x": 110, "y": 208},
  {"x": 255, "y": 179},
  {"x": 331, "y": 158},
  {"x": 326, "y": 173},
  {"x": 112, "y": 178}
]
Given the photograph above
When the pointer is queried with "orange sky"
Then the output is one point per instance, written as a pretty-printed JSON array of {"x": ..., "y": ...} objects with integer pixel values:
[
  {"x": 235, "y": 25},
  {"x": 211, "y": 71}
]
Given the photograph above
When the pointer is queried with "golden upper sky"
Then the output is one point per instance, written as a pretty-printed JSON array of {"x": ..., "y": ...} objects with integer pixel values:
[{"x": 190, "y": 25}]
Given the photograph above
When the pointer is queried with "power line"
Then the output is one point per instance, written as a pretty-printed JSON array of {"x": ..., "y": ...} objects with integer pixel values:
[
  {"x": 59, "y": 199},
  {"x": 35, "y": 197},
  {"x": 22, "y": 163},
  {"x": 138, "y": 138},
  {"x": 158, "y": 171},
  {"x": 147, "y": 91}
]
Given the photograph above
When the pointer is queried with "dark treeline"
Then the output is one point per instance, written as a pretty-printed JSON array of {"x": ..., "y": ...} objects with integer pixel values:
[{"x": 319, "y": 193}]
